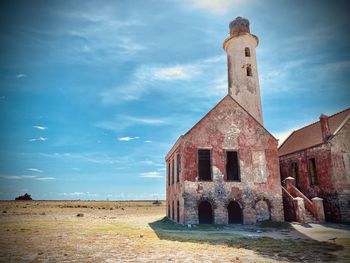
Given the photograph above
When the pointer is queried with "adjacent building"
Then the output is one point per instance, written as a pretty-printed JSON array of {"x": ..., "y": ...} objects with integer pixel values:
[
  {"x": 225, "y": 169},
  {"x": 317, "y": 156}
]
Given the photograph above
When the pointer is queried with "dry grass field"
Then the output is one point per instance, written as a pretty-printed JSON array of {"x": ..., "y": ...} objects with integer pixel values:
[{"x": 51, "y": 231}]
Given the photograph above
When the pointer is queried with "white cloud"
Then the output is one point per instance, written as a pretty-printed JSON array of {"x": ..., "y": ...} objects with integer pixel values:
[
  {"x": 122, "y": 122},
  {"x": 151, "y": 175},
  {"x": 148, "y": 141},
  {"x": 282, "y": 136},
  {"x": 177, "y": 72},
  {"x": 44, "y": 178},
  {"x": 40, "y": 127},
  {"x": 22, "y": 177},
  {"x": 12, "y": 177},
  {"x": 19, "y": 76},
  {"x": 95, "y": 157},
  {"x": 88, "y": 194},
  {"x": 35, "y": 170},
  {"x": 38, "y": 139},
  {"x": 127, "y": 138},
  {"x": 218, "y": 7}
]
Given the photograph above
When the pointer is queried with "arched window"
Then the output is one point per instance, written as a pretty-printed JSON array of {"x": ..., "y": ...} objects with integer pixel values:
[
  {"x": 247, "y": 52},
  {"x": 249, "y": 71}
]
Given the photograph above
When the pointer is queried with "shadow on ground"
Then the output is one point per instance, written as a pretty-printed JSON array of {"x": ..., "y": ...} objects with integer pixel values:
[{"x": 293, "y": 250}]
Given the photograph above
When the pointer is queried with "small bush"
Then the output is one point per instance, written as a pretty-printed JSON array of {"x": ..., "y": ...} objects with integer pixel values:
[
  {"x": 24, "y": 197},
  {"x": 80, "y": 215}
]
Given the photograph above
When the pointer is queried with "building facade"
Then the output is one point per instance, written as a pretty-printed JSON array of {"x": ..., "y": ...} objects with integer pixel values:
[
  {"x": 317, "y": 156},
  {"x": 225, "y": 169}
]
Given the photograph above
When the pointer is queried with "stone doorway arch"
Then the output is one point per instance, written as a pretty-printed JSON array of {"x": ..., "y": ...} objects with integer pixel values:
[
  {"x": 234, "y": 212},
  {"x": 205, "y": 213},
  {"x": 262, "y": 210}
]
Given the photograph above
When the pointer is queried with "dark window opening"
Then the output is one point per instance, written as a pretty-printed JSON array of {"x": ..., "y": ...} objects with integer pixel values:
[
  {"x": 295, "y": 173},
  {"x": 169, "y": 173},
  {"x": 205, "y": 213},
  {"x": 169, "y": 211},
  {"x": 234, "y": 213},
  {"x": 247, "y": 52},
  {"x": 312, "y": 171},
  {"x": 249, "y": 71},
  {"x": 232, "y": 166},
  {"x": 172, "y": 171},
  {"x": 178, "y": 212},
  {"x": 172, "y": 212},
  {"x": 178, "y": 167},
  {"x": 204, "y": 165}
]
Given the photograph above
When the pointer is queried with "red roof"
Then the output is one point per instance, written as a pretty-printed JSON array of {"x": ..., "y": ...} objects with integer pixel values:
[{"x": 311, "y": 135}]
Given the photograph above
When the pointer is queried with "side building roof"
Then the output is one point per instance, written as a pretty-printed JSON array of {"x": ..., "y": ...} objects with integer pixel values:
[{"x": 311, "y": 135}]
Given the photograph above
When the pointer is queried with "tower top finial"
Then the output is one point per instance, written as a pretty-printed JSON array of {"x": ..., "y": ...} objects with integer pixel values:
[{"x": 239, "y": 25}]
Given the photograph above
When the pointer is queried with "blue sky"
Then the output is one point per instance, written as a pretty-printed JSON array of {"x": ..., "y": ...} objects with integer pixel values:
[{"x": 94, "y": 93}]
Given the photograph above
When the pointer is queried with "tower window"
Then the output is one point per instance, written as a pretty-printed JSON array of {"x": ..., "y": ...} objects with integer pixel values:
[
  {"x": 204, "y": 165},
  {"x": 249, "y": 71},
  {"x": 247, "y": 52}
]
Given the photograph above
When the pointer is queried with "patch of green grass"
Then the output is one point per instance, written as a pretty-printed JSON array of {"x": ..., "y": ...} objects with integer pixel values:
[{"x": 276, "y": 225}]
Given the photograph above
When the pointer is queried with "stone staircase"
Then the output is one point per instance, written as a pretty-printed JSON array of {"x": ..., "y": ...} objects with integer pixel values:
[{"x": 309, "y": 217}]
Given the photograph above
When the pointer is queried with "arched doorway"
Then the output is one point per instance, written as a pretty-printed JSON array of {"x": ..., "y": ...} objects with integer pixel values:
[
  {"x": 234, "y": 213},
  {"x": 205, "y": 213},
  {"x": 262, "y": 211}
]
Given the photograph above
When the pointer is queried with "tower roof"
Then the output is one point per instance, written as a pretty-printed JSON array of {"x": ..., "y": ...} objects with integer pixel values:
[{"x": 239, "y": 25}]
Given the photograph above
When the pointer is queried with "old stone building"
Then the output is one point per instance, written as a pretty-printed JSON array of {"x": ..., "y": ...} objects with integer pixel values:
[
  {"x": 225, "y": 169},
  {"x": 317, "y": 156}
]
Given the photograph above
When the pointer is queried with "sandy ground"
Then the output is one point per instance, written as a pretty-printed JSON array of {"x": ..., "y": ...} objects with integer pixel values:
[{"x": 134, "y": 232}]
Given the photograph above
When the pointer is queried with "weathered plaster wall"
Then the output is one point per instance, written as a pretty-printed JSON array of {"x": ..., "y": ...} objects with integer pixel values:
[
  {"x": 174, "y": 191},
  {"x": 228, "y": 126},
  {"x": 340, "y": 148},
  {"x": 245, "y": 89}
]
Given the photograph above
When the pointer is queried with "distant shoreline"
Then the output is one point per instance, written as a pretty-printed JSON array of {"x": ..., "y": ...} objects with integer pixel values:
[{"x": 78, "y": 200}]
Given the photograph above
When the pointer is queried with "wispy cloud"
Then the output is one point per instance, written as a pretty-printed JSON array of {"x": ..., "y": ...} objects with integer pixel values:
[
  {"x": 128, "y": 138},
  {"x": 151, "y": 175},
  {"x": 40, "y": 127},
  {"x": 177, "y": 72},
  {"x": 77, "y": 194},
  {"x": 35, "y": 170},
  {"x": 97, "y": 158},
  {"x": 148, "y": 78},
  {"x": 122, "y": 122},
  {"x": 19, "y": 76},
  {"x": 39, "y": 139},
  {"x": 44, "y": 178},
  {"x": 23, "y": 177},
  {"x": 218, "y": 7},
  {"x": 147, "y": 141}
]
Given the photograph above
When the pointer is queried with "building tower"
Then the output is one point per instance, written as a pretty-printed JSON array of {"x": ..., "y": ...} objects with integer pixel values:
[{"x": 243, "y": 79}]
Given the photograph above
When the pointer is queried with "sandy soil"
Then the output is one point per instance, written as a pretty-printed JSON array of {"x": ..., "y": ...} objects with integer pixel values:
[{"x": 51, "y": 231}]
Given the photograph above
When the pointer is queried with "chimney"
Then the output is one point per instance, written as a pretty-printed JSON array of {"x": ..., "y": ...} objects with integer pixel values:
[{"x": 326, "y": 133}]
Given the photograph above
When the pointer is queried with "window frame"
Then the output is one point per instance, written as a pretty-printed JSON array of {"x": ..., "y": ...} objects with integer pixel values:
[
  {"x": 238, "y": 164},
  {"x": 315, "y": 182},
  {"x": 178, "y": 167},
  {"x": 210, "y": 163}
]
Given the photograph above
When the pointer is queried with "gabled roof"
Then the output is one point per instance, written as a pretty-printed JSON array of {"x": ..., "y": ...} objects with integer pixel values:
[
  {"x": 311, "y": 135},
  {"x": 227, "y": 96}
]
